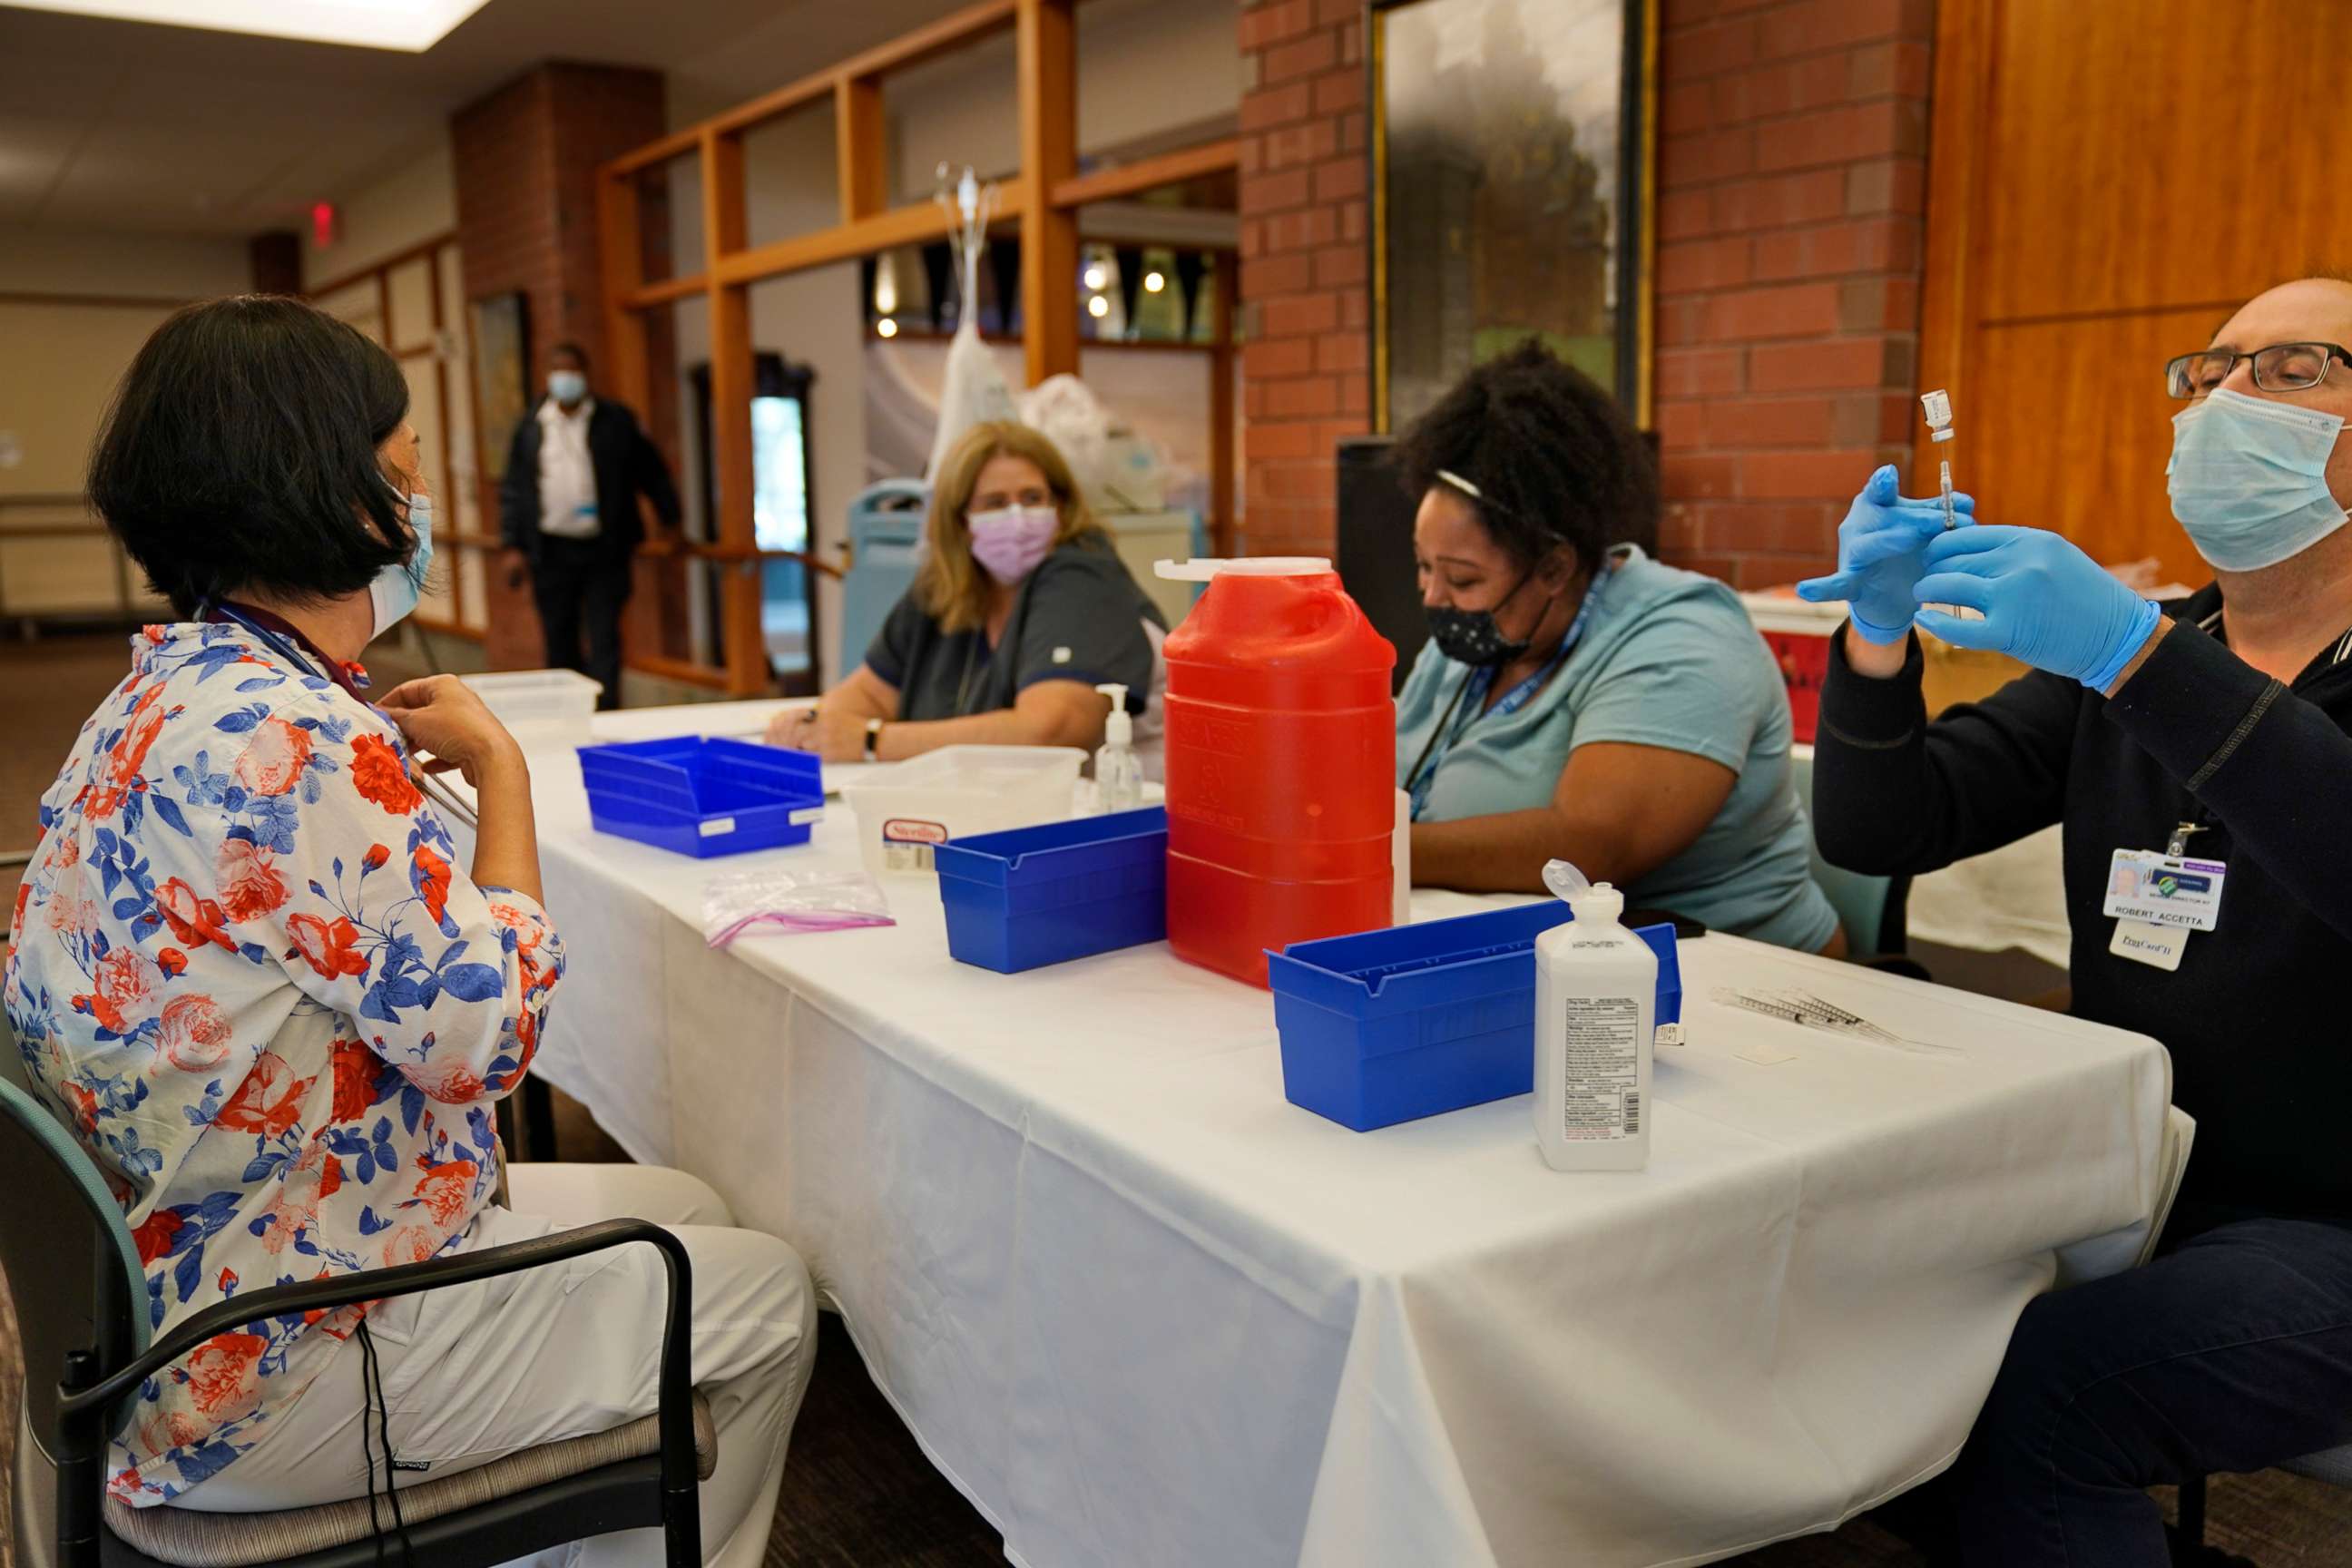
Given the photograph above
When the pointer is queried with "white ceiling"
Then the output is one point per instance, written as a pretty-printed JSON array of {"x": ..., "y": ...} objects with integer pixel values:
[{"x": 133, "y": 126}]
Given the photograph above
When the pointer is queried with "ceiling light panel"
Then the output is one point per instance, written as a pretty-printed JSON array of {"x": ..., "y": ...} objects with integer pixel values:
[{"x": 413, "y": 26}]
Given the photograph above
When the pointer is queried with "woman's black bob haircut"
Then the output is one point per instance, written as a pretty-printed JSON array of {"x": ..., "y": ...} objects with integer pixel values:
[
  {"x": 1554, "y": 459},
  {"x": 239, "y": 455}
]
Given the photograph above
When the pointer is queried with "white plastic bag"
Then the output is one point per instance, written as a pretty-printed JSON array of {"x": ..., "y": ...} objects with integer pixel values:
[
  {"x": 1064, "y": 410},
  {"x": 972, "y": 390},
  {"x": 779, "y": 903}
]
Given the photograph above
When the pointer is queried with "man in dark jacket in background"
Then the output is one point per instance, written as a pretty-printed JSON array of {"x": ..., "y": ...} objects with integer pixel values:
[
  {"x": 568, "y": 512},
  {"x": 2199, "y": 757}
]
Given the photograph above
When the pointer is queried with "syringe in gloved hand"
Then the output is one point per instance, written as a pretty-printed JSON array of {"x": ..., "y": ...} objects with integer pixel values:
[{"x": 1939, "y": 406}]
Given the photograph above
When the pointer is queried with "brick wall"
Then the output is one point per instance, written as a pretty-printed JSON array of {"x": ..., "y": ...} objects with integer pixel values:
[
  {"x": 1791, "y": 178},
  {"x": 1792, "y": 185},
  {"x": 525, "y": 158},
  {"x": 1305, "y": 381}
]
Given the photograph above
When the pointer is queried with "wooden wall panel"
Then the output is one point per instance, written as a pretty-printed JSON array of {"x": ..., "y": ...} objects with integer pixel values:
[
  {"x": 2109, "y": 181},
  {"x": 2162, "y": 152},
  {"x": 2069, "y": 427}
]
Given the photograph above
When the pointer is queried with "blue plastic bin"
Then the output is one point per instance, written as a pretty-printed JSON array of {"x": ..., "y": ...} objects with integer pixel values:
[
  {"x": 700, "y": 796},
  {"x": 1035, "y": 895},
  {"x": 1399, "y": 1024}
]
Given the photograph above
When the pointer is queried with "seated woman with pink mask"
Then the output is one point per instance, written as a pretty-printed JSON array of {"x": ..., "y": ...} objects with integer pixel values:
[{"x": 1019, "y": 610}]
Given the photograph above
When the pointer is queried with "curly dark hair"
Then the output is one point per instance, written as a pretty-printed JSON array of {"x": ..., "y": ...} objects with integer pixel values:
[
  {"x": 1555, "y": 459},
  {"x": 240, "y": 454}
]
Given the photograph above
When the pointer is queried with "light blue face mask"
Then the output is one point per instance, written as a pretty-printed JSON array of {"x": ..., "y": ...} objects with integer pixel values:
[
  {"x": 397, "y": 587},
  {"x": 2249, "y": 479},
  {"x": 566, "y": 386}
]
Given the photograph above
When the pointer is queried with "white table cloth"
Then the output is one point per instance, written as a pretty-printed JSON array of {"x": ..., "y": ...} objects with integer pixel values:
[
  {"x": 2011, "y": 897},
  {"x": 1143, "y": 1311}
]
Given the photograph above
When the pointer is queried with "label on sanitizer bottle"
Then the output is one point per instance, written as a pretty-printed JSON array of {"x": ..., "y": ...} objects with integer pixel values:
[{"x": 1603, "y": 1069}]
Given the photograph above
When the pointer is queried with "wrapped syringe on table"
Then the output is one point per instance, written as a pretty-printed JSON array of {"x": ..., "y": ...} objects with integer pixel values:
[{"x": 1792, "y": 1005}]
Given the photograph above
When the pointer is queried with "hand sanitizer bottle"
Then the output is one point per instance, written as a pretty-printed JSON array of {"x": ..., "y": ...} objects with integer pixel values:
[
  {"x": 1119, "y": 776},
  {"x": 1596, "y": 1004}
]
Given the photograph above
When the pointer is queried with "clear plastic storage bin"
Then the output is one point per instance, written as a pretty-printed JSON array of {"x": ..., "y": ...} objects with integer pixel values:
[
  {"x": 905, "y": 812},
  {"x": 541, "y": 708}
]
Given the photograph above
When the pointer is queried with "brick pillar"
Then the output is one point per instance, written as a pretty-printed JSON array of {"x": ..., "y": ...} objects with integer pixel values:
[
  {"x": 1305, "y": 385},
  {"x": 526, "y": 157},
  {"x": 1792, "y": 185}
]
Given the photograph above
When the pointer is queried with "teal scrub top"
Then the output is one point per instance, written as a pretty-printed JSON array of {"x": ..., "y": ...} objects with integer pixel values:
[{"x": 1667, "y": 658}]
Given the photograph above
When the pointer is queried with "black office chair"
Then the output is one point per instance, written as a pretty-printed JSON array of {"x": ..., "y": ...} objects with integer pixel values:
[
  {"x": 2334, "y": 1466},
  {"x": 82, "y": 1308}
]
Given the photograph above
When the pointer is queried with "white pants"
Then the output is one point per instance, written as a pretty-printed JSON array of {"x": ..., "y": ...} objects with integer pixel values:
[{"x": 478, "y": 1372}]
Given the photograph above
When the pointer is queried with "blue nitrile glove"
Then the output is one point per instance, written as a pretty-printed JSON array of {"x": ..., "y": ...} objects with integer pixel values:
[
  {"x": 1879, "y": 557},
  {"x": 2044, "y": 601}
]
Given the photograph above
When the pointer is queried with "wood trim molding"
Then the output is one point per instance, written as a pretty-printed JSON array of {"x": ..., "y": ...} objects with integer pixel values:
[
  {"x": 861, "y": 146},
  {"x": 665, "y": 291},
  {"x": 422, "y": 249},
  {"x": 1046, "y": 68},
  {"x": 885, "y": 231},
  {"x": 680, "y": 669},
  {"x": 676, "y": 144},
  {"x": 924, "y": 43},
  {"x": 1149, "y": 174},
  {"x": 131, "y": 302}
]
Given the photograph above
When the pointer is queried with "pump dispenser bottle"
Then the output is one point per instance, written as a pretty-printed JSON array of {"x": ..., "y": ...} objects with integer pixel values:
[
  {"x": 1596, "y": 1008},
  {"x": 1119, "y": 774}
]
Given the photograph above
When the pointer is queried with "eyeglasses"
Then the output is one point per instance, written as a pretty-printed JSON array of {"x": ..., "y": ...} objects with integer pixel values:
[{"x": 2281, "y": 367}]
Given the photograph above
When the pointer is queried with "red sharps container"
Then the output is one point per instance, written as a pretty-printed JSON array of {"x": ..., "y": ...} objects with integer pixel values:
[{"x": 1281, "y": 763}]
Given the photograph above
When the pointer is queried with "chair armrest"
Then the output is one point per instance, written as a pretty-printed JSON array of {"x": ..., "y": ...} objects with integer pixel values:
[{"x": 81, "y": 1408}]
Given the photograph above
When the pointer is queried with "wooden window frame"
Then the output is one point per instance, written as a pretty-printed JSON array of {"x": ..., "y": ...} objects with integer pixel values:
[
  {"x": 1042, "y": 198},
  {"x": 446, "y": 537}
]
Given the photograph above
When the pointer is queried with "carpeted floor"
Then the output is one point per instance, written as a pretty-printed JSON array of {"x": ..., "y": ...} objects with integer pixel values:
[{"x": 858, "y": 1492}]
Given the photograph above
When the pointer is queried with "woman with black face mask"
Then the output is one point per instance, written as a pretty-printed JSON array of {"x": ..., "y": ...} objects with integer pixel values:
[{"x": 1578, "y": 700}]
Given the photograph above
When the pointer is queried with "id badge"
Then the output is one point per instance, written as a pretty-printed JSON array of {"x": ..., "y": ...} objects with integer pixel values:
[
  {"x": 2158, "y": 947},
  {"x": 2160, "y": 890}
]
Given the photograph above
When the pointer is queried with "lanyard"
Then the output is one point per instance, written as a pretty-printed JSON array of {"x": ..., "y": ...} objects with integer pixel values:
[
  {"x": 971, "y": 656},
  {"x": 972, "y": 649},
  {"x": 2196, "y": 817},
  {"x": 351, "y": 677},
  {"x": 1442, "y": 739}
]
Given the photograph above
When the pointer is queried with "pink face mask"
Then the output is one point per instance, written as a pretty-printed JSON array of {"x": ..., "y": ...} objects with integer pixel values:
[{"x": 1010, "y": 543}]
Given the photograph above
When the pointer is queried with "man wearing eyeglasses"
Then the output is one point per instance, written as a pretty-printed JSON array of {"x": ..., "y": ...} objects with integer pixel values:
[{"x": 2197, "y": 755}]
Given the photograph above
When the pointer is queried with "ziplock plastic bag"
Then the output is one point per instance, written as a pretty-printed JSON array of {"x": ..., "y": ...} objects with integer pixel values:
[{"x": 777, "y": 903}]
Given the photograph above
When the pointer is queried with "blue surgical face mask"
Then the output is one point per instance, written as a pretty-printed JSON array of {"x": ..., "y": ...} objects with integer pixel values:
[
  {"x": 397, "y": 587},
  {"x": 567, "y": 386},
  {"x": 2249, "y": 479}
]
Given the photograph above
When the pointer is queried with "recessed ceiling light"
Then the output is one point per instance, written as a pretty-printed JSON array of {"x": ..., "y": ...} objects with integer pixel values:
[{"x": 414, "y": 25}]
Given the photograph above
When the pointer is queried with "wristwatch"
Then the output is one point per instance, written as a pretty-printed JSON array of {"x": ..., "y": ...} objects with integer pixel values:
[{"x": 873, "y": 739}]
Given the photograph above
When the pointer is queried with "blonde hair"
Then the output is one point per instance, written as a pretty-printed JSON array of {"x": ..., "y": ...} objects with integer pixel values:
[{"x": 950, "y": 585}]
